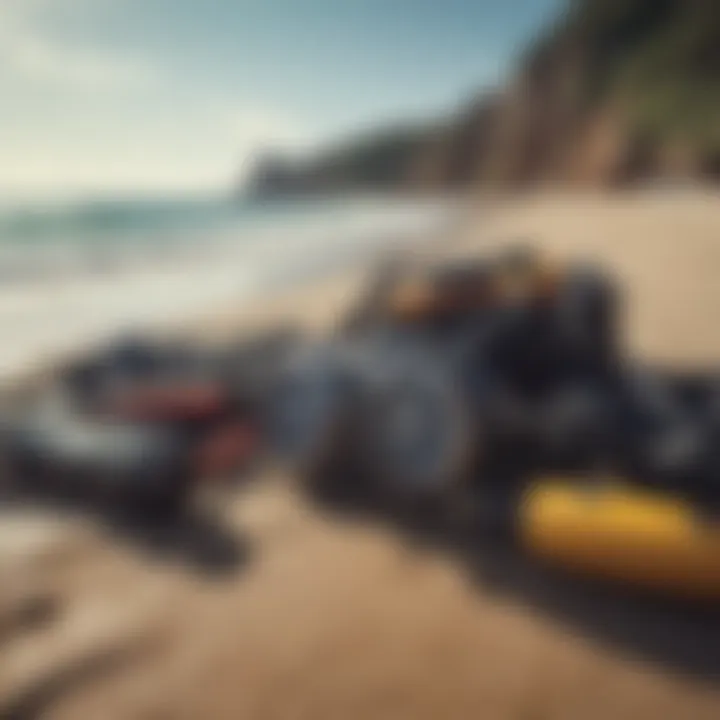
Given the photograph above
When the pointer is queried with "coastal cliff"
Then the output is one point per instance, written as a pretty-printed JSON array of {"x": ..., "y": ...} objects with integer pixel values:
[{"x": 615, "y": 91}]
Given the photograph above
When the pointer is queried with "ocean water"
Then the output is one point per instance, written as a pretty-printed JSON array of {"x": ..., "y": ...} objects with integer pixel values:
[{"x": 75, "y": 274}]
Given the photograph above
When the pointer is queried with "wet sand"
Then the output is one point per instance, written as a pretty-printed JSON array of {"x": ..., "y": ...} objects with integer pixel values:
[{"x": 295, "y": 612}]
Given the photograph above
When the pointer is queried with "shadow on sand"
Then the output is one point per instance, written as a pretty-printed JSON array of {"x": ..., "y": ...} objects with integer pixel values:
[
  {"x": 202, "y": 542},
  {"x": 678, "y": 636}
]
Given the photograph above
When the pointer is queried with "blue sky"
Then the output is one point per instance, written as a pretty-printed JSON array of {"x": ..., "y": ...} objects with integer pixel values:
[{"x": 169, "y": 95}]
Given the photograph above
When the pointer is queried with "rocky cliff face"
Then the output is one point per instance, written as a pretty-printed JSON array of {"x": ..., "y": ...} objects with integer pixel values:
[{"x": 616, "y": 91}]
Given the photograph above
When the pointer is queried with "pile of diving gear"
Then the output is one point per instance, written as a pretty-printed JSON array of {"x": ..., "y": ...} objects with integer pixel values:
[
  {"x": 504, "y": 377},
  {"x": 144, "y": 424}
]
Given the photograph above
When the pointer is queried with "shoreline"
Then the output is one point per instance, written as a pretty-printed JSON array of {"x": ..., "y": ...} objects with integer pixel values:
[
  {"x": 563, "y": 225},
  {"x": 49, "y": 323}
]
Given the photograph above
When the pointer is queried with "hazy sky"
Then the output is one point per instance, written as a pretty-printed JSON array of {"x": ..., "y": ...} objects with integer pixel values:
[{"x": 147, "y": 95}]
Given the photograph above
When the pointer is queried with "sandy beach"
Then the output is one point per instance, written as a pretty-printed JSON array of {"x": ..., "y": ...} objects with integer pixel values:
[{"x": 303, "y": 614}]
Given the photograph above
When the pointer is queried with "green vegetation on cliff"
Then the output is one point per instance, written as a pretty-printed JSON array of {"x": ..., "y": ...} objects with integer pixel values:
[{"x": 662, "y": 58}]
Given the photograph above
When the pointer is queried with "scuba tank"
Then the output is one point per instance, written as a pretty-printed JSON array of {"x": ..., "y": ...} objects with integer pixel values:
[{"x": 645, "y": 539}]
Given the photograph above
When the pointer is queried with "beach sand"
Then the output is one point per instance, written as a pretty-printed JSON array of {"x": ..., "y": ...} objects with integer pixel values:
[{"x": 330, "y": 617}]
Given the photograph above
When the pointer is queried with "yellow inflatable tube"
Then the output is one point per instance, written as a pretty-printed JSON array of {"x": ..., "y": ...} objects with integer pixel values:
[{"x": 641, "y": 538}]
